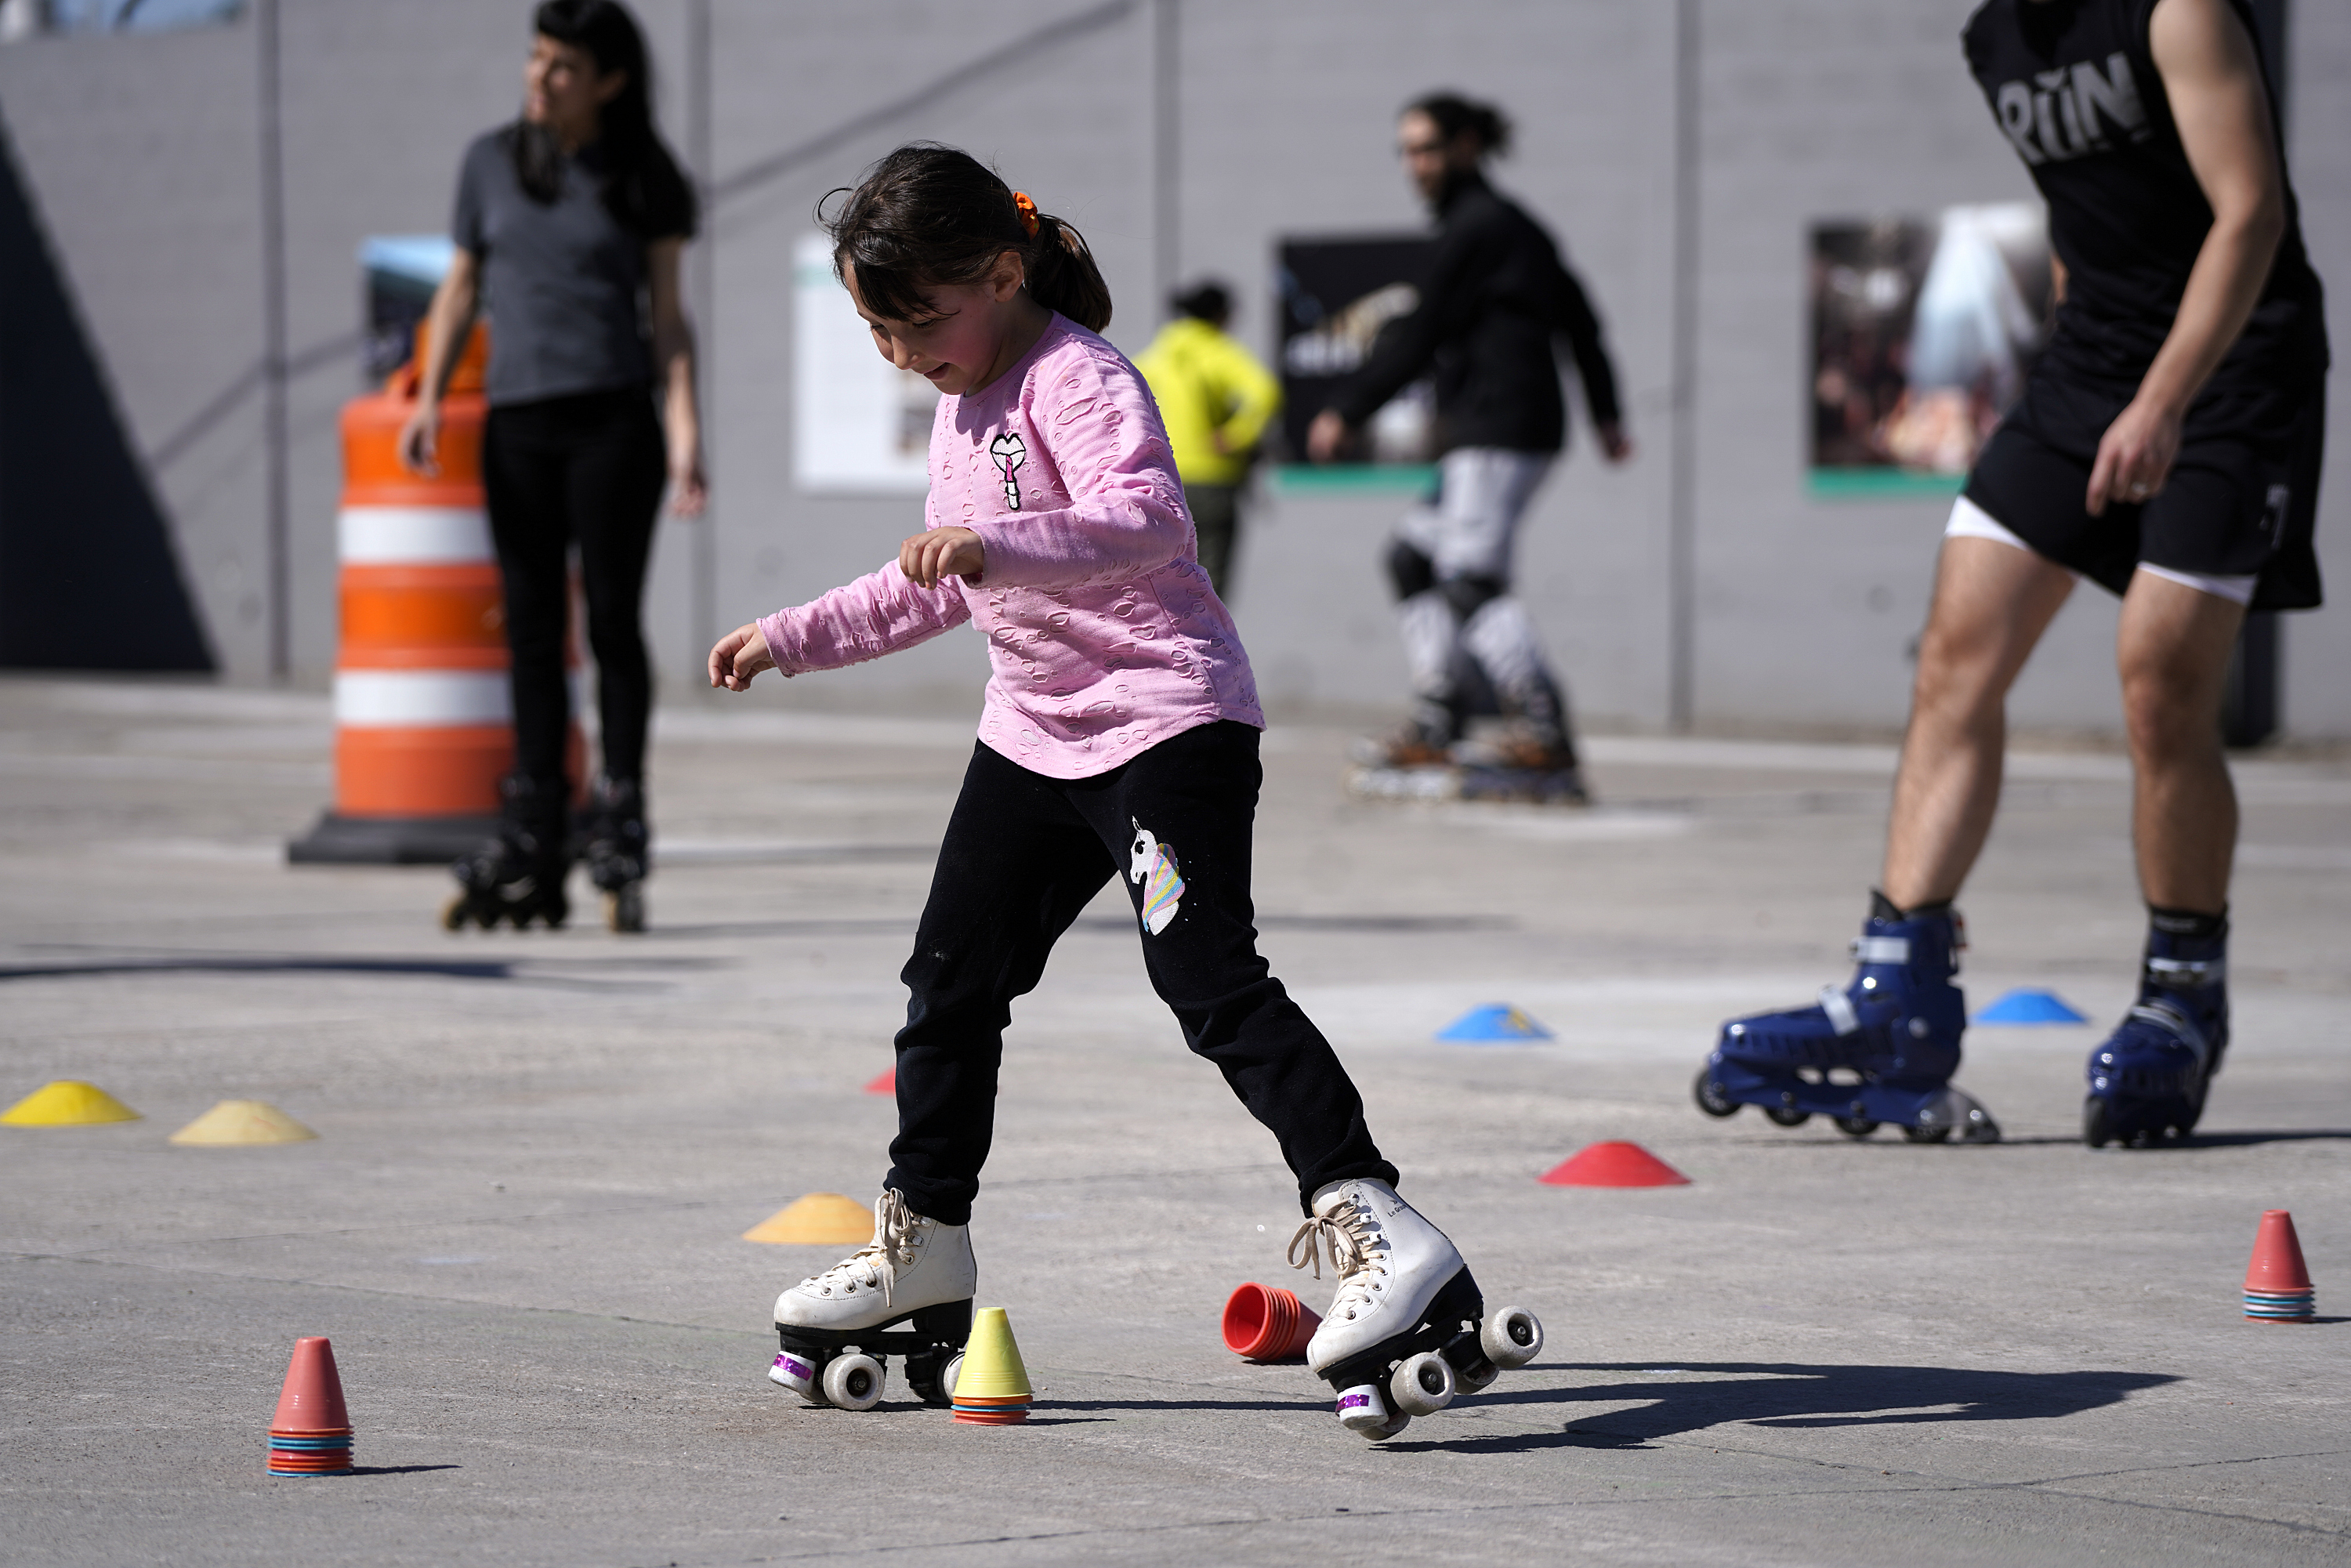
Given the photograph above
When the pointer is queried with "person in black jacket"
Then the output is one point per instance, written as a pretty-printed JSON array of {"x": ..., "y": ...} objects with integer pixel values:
[{"x": 1497, "y": 298}]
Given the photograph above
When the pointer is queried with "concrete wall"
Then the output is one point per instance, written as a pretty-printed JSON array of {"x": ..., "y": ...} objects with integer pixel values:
[{"x": 141, "y": 153}]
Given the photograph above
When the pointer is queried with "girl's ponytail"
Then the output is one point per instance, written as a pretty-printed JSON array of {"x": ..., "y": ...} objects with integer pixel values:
[
  {"x": 929, "y": 215},
  {"x": 1063, "y": 274}
]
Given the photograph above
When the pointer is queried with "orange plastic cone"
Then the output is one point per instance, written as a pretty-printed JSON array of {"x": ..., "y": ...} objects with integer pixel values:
[
  {"x": 312, "y": 1433},
  {"x": 1614, "y": 1165},
  {"x": 1268, "y": 1323},
  {"x": 885, "y": 1085},
  {"x": 2277, "y": 1282}
]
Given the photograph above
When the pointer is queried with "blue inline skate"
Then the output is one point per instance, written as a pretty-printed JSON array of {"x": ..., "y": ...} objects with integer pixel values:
[
  {"x": 2149, "y": 1080},
  {"x": 1882, "y": 1050}
]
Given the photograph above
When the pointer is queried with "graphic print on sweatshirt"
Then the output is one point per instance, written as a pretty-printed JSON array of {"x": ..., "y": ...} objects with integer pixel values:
[
  {"x": 1152, "y": 865},
  {"x": 1009, "y": 451}
]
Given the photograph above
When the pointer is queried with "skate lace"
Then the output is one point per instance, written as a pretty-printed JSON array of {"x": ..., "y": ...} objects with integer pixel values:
[
  {"x": 896, "y": 1234},
  {"x": 1359, "y": 1253}
]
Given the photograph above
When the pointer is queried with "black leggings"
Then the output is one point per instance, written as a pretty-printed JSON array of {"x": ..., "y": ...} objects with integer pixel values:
[
  {"x": 1024, "y": 854},
  {"x": 587, "y": 470}
]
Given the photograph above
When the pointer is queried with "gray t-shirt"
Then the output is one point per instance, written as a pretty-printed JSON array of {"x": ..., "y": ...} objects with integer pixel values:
[{"x": 563, "y": 283}]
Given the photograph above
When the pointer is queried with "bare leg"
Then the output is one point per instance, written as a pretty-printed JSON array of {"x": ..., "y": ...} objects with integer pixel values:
[
  {"x": 1992, "y": 601},
  {"x": 2173, "y": 651}
]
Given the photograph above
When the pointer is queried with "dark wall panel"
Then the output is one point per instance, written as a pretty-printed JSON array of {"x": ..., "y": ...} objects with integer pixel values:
[{"x": 87, "y": 577}]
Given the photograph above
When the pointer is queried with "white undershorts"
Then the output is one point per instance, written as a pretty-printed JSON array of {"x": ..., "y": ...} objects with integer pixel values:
[{"x": 1969, "y": 521}]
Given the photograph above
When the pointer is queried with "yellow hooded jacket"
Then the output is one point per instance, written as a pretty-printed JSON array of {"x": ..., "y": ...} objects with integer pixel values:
[{"x": 1207, "y": 386}]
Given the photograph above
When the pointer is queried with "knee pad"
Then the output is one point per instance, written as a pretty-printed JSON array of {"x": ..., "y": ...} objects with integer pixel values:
[
  {"x": 1469, "y": 595},
  {"x": 1412, "y": 572}
]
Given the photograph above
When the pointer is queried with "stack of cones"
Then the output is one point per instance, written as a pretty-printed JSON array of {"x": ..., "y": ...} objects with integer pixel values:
[
  {"x": 2277, "y": 1282},
  {"x": 993, "y": 1390},
  {"x": 1269, "y": 1324},
  {"x": 312, "y": 1433}
]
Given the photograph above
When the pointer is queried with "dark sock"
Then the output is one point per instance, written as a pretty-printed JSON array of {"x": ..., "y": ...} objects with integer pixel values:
[
  {"x": 1884, "y": 908},
  {"x": 2193, "y": 925}
]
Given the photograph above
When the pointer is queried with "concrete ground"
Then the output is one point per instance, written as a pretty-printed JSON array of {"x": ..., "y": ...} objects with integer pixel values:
[{"x": 520, "y": 1221}]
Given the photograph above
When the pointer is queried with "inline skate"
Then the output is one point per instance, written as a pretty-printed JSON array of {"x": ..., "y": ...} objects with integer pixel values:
[
  {"x": 518, "y": 876},
  {"x": 1882, "y": 1050},
  {"x": 617, "y": 849}
]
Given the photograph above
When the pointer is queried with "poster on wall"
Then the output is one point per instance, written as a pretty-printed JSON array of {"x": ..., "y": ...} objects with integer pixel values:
[
  {"x": 1337, "y": 297},
  {"x": 860, "y": 426},
  {"x": 1923, "y": 329}
]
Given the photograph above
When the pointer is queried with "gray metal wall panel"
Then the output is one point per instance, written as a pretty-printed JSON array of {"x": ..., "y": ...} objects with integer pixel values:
[{"x": 142, "y": 152}]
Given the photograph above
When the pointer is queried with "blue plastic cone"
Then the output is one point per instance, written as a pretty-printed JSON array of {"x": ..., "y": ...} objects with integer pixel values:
[
  {"x": 2025, "y": 1005},
  {"x": 1496, "y": 1024}
]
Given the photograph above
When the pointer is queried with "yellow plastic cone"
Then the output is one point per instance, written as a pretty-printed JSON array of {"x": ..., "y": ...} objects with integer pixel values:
[
  {"x": 993, "y": 1389},
  {"x": 819, "y": 1219},
  {"x": 68, "y": 1102},
  {"x": 243, "y": 1121}
]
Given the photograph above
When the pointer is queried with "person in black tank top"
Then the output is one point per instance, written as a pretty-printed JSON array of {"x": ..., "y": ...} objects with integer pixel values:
[{"x": 2168, "y": 446}]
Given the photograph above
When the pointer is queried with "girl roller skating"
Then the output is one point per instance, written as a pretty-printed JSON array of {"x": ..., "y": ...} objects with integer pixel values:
[{"x": 1119, "y": 738}]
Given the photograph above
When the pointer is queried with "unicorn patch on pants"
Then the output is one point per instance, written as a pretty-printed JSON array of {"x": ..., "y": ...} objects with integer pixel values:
[{"x": 1152, "y": 865}]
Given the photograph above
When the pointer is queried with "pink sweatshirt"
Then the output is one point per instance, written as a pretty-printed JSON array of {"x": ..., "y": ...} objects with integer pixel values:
[{"x": 1103, "y": 635}]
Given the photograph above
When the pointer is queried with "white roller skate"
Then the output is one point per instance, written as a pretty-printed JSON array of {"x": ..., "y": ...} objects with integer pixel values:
[
  {"x": 833, "y": 1327},
  {"x": 1408, "y": 1328}
]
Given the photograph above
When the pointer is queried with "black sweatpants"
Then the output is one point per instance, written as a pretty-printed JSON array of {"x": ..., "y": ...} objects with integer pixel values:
[
  {"x": 586, "y": 470},
  {"x": 1023, "y": 855}
]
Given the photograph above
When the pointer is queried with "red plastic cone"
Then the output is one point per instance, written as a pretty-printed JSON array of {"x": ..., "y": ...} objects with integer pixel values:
[
  {"x": 312, "y": 1433},
  {"x": 1269, "y": 1324},
  {"x": 2277, "y": 1282},
  {"x": 1614, "y": 1165},
  {"x": 885, "y": 1085}
]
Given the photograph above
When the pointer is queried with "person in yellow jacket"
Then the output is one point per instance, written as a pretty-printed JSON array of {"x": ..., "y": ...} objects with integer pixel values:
[{"x": 1216, "y": 400}]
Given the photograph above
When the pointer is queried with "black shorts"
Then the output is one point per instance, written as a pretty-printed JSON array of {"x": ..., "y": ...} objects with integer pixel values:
[{"x": 2242, "y": 500}]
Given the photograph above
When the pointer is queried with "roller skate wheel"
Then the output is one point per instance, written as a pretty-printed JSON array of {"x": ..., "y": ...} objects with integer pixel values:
[
  {"x": 1510, "y": 1338},
  {"x": 624, "y": 908},
  {"x": 791, "y": 1371},
  {"x": 853, "y": 1382},
  {"x": 1363, "y": 1412},
  {"x": 1926, "y": 1135},
  {"x": 948, "y": 1375},
  {"x": 453, "y": 914},
  {"x": 1787, "y": 1115},
  {"x": 1424, "y": 1384},
  {"x": 1477, "y": 1379},
  {"x": 1710, "y": 1097},
  {"x": 1855, "y": 1126}
]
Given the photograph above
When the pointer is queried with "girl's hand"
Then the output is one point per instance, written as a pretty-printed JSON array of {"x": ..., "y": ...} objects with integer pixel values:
[
  {"x": 419, "y": 440},
  {"x": 942, "y": 552},
  {"x": 739, "y": 655}
]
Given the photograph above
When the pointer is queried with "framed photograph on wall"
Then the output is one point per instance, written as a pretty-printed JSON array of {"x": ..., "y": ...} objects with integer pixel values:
[{"x": 1923, "y": 329}]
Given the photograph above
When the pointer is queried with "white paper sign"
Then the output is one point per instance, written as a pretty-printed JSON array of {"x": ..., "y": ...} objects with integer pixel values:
[{"x": 859, "y": 425}]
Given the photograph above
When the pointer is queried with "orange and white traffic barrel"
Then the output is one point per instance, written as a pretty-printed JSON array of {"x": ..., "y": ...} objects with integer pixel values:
[{"x": 424, "y": 719}]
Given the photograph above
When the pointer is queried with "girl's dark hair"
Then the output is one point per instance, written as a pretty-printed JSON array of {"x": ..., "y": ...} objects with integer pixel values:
[
  {"x": 1208, "y": 301},
  {"x": 929, "y": 215},
  {"x": 1455, "y": 114},
  {"x": 644, "y": 190}
]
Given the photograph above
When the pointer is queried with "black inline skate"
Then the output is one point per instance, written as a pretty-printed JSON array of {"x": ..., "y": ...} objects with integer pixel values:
[
  {"x": 517, "y": 877},
  {"x": 618, "y": 850}
]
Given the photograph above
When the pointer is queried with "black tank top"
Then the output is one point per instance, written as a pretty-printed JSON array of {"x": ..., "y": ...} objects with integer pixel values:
[{"x": 2072, "y": 86}]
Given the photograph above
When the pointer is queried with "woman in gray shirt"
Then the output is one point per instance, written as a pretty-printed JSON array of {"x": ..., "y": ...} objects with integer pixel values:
[{"x": 569, "y": 224}]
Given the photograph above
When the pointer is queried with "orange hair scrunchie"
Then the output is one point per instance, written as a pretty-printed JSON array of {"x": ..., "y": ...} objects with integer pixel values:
[{"x": 1028, "y": 211}]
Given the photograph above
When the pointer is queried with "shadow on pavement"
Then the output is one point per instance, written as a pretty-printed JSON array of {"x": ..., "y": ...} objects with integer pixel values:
[
  {"x": 1776, "y": 1395},
  {"x": 588, "y": 973}
]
